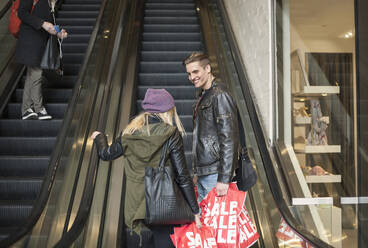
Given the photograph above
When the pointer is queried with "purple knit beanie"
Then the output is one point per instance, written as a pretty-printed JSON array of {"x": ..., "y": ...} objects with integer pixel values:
[{"x": 157, "y": 101}]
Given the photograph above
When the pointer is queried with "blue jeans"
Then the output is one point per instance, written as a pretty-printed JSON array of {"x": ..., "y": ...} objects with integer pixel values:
[{"x": 205, "y": 184}]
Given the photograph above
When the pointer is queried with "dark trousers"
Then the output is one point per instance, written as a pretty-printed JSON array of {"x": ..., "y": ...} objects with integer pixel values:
[{"x": 161, "y": 236}]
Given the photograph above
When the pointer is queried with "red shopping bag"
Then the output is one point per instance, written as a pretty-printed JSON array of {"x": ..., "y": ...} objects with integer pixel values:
[
  {"x": 221, "y": 214},
  {"x": 247, "y": 231},
  {"x": 286, "y": 235},
  {"x": 189, "y": 236}
]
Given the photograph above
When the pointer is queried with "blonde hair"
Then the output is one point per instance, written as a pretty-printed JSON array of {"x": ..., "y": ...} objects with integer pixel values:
[{"x": 141, "y": 121}]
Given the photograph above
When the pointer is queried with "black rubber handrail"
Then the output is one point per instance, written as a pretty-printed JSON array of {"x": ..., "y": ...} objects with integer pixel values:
[
  {"x": 5, "y": 8},
  {"x": 56, "y": 154},
  {"x": 261, "y": 139}
]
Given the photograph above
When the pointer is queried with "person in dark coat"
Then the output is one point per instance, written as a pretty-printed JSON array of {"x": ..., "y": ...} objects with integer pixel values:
[
  {"x": 33, "y": 35},
  {"x": 141, "y": 143},
  {"x": 215, "y": 129}
]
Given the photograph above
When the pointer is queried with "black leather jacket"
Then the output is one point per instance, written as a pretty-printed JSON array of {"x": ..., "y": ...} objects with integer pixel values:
[
  {"x": 177, "y": 159},
  {"x": 215, "y": 134}
]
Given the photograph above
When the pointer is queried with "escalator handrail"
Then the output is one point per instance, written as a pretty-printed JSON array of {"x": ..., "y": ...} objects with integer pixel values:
[
  {"x": 261, "y": 140},
  {"x": 56, "y": 154},
  {"x": 5, "y": 8},
  {"x": 89, "y": 187}
]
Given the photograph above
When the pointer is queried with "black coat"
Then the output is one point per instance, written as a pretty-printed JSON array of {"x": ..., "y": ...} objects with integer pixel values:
[
  {"x": 32, "y": 37},
  {"x": 216, "y": 134}
]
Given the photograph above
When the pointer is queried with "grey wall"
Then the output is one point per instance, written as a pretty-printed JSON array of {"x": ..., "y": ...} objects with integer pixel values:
[{"x": 251, "y": 23}]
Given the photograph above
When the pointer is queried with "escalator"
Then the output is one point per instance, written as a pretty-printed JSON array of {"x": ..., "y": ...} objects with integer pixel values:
[
  {"x": 169, "y": 30},
  {"x": 86, "y": 203},
  {"x": 26, "y": 145}
]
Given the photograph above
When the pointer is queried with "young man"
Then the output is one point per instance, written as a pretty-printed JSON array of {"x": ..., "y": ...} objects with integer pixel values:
[{"x": 215, "y": 133}]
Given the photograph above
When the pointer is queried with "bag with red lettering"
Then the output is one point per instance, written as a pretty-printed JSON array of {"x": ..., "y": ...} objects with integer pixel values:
[
  {"x": 189, "y": 236},
  {"x": 223, "y": 214},
  {"x": 247, "y": 231},
  {"x": 286, "y": 235}
]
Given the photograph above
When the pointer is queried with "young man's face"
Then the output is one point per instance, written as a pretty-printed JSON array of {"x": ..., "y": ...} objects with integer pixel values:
[{"x": 199, "y": 75}]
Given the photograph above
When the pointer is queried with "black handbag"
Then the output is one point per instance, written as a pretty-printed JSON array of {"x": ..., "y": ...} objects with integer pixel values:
[
  {"x": 52, "y": 56},
  {"x": 165, "y": 202},
  {"x": 245, "y": 174}
]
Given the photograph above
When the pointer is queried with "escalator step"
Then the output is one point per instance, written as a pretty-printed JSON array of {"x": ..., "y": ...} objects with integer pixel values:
[
  {"x": 160, "y": 67},
  {"x": 73, "y": 58},
  {"x": 20, "y": 188},
  {"x": 171, "y": 37},
  {"x": 22, "y": 165},
  {"x": 71, "y": 69},
  {"x": 67, "y": 81},
  {"x": 49, "y": 95},
  {"x": 167, "y": 56},
  {"x": 187, "y": 121},
  {"x": 75, "y": 47},
  {"x": 80, "y": 7},
  {"x": 77, "y": 38},
  {"x": 174, "y": 6},
  {"x": 80, "y": 21},
  {"x": 170, "y": 20},
  {"x": 77, "y": 14},
  {"x": 178, "y": 92},
  {"x": 57, "y": 110},
  {"x": 5, "y": 232},
  {"x": 168, "y": 13},
  {"x": 17, "y": 127},
  {"x": 171, "y": 46},
  {"x": 180, "y": 28},
  {"x": 163, "y": 79},
  {"x": 184, "y": 107},
  {"x": 27, "y": 146},
  {"x": 13, "y": 214}
]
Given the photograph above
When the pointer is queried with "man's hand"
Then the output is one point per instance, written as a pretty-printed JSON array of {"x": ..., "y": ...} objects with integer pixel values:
[
  {"x": 49, "y": 27},
  {"x": 221, "y": 188},
  {"x": 195, "y": 178},
  {"x": 197, "y": 219}
]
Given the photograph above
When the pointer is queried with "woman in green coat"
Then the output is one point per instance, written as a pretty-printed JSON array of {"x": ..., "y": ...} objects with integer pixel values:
[{"x": 140, "y": 144}]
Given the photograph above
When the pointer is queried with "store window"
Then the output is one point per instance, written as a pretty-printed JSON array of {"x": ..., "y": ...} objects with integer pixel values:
[{"x": 317, "y": 123}]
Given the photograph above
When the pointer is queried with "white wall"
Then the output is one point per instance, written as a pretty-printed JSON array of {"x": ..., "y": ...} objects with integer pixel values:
[{"x": 251, "y": 24}]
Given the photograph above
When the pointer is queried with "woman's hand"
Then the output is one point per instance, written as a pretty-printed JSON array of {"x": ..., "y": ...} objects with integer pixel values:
[
  {"x": 49, "y": 27},
  {"x": 94, "y": 134},
  {"x": 62, "y": 34},
  {"x": 197, "y": 219}
]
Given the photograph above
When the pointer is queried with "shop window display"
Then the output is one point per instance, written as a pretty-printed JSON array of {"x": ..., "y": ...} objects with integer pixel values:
[{"x": 316, "y": 109}]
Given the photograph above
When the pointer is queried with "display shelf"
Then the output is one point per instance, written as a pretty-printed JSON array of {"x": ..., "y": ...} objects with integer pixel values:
[
  {"x": 318, "y": 91},
  {"x": 323, "y": 179},
  {"x": 305, "y": 120},
  {"x": 318, "y": 149}
]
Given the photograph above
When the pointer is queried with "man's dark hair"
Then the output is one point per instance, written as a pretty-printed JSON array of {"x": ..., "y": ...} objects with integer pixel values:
[{"x": 197, "y": 57}]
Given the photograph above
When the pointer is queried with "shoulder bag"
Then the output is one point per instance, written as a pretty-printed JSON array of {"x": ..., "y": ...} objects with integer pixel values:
[
  {"x": 165, "y": 202},
  {"x": 53, "y": 54}
]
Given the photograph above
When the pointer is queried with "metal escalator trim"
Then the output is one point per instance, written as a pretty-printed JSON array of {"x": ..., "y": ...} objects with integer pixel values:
[
  {"x": 55, "y": 156},
  {"x": 257, "y": 128},
  {"x": 89, "y": 187}
]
